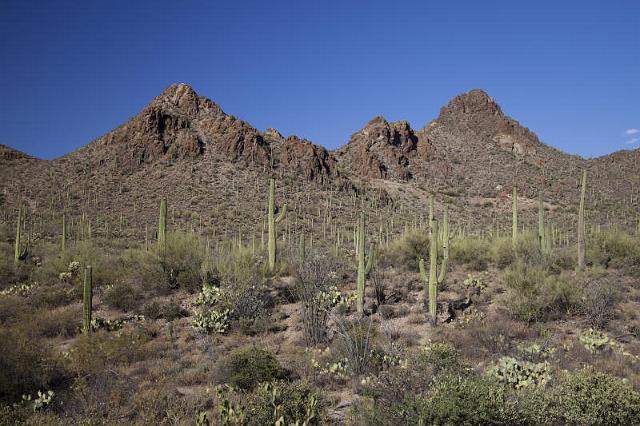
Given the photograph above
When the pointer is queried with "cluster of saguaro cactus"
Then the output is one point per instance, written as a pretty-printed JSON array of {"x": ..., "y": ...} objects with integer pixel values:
[
  {"x": 581, "y": 248},
  {"x": 87, "y": 300},
  {"x": 162, "y": 223},
  {"x": 19, "y": 252},
  {"x": 272, "y": 220},
  {"x": 365, "y": 263}
]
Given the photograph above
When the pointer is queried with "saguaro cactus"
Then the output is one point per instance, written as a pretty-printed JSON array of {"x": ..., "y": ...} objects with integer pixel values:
[
  {"x": 445, "y": 245},
  {"x": 272, "y": 220},
  {"x": 514, "y": 218},
  {"x": 87, "y": 300},
  {"x": 581, "y": 222},
  {"x": 364, "y": 264},
  {"x": 162, "y": 223},
  {"x": 432, "y": 280},
  {"x": 63, "y": 242},
  {"x": 19, "y": 252},
  {"x": 541, "y": 233}
]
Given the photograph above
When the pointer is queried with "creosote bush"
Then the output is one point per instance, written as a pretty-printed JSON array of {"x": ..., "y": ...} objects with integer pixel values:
[
  {"x": 408, "y": 248},
  {"x": 245, "y": 368},
  {"x": 536, "y": 295}
]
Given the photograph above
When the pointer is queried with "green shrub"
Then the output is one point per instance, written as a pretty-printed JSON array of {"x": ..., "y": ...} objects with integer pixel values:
[
  {"x": 26, "y": 365},
  {"x": 616, "y": 250},
  {"x": 535, "y": 295},
  {"x": 247, "y": 367},
  {"x": 441, "y": 357},
  {"x": 526, "y": 250},
  {"x": 93, "y": 353},
  {"x": 408, "y": 248},
  {"x": 167, "y": 310},
  {"x": 294, "y": 403},
  {"x": 588, "y": 397},
  {"x": 473, "y": 251},
  {"x": 121, "y": 296},
  {"x": 455, "y": 400}
]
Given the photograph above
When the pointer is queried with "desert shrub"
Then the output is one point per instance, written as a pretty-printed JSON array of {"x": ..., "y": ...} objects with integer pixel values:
[
  {"x": 237, "y": 265},
  {"x": 143, "y": 268},
  {"x": 93, "y": 353},
  {"x": 315, "y": 288},
  {"x": 169, "y": 310},
  {"x": 294, "y": 403},
  {"x": 440, "y": 357},
  {"x": 599, "y": 298},
  {"x": 96, "y": 253},
  {"x": 26, "y": 365},
  {"x": 615, "y": 249},
  {"x": 588, "y": 397},
  {"x": 526, "y": 250},
  {"x": 408, "y": 248},
  {"x": 535, "y": 295},
  {"x": 121, "y": 296},
  {"x": 181, "y": 259},
  {"x": 63, "y": 321},
  {"x": 247, "y": 367},
  {"x": 455, "y": 399},
  {"x": 474, "y": 251}
]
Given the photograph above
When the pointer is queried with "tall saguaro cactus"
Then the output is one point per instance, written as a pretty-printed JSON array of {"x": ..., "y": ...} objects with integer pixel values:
[
  {"x": 63, "y": 241},
  {"x": 432, "y": 280},
  {"x": 364, "y": 264},
  {"x": 272, "y": 220},
  {"x": 162, "y": 223},
  {"x": 19, "y": 252},
  {"x": 445, "y": 245},
  {"x": 514, "y": 216},
  {"x": 581, "y": 222},
  {"x": 87, "y": 300},
  {"x": 541, "y": 238}
]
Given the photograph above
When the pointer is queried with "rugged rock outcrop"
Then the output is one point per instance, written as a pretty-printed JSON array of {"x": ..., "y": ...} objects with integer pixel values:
[
  {"x": 180, "y": 124},
  {"x": 305, "y": 159},
  {"x": 381, "y": 150}
]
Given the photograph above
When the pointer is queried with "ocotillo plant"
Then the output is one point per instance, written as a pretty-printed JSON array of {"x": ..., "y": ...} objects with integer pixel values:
[
  {"x": 445, "y": 245},
  {"x": 162, "y": 223},
  {"x": 87, "y": 301},
  {"x": 272, "y": 220},
  {"x": 514, "y": 218},
  {"x": 581, "y": 222},
  {"x": 363, "y": 268}
]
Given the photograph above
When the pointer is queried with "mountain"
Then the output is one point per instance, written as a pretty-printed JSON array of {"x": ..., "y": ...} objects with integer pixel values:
[{"x": 215, "y": 166}]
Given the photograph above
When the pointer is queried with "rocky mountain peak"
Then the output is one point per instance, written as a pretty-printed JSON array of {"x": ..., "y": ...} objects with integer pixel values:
[
  {"x": 476, "y": 101},
  {"x": 382, "y": 149}
]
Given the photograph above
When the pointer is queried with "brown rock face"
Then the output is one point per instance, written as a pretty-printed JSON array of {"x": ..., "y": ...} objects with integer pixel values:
[
  {"x": 381, "y": 150},
  {"x": 303, "y": 158},
  {"x": 180, "y": 124},
  {"x": 477, "y": 113}
]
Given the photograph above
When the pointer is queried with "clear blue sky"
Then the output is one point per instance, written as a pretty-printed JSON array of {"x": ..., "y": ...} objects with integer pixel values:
[{"x": 72, "y": 70}]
